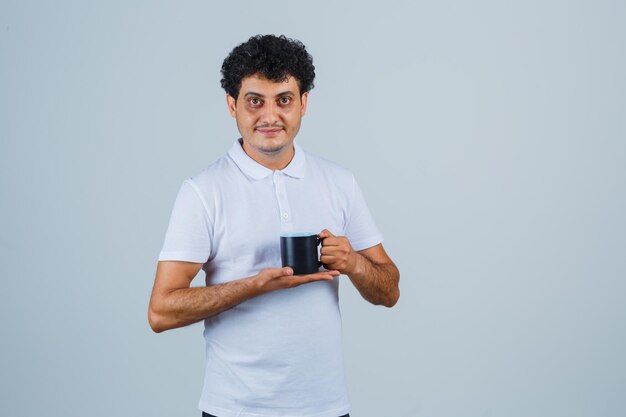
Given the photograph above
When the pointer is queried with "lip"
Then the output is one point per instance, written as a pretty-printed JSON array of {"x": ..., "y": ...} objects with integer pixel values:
[{"x": 269, "y": 132}]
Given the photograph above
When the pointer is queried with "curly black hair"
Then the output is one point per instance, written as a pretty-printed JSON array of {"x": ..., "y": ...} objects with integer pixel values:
[{"x": 275, "y": 57}]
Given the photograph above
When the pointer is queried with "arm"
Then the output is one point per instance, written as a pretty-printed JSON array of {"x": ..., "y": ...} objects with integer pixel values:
[
  {"x": 371, "y": 270},
  {"x": 175, "y": 304}
]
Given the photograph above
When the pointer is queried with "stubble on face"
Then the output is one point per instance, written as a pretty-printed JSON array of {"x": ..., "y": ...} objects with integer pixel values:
[
  {"x": 268, "y": 115},
  {"x": 267, "y": 147}
]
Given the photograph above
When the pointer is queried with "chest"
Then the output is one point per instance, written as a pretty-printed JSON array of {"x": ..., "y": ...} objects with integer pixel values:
[{"x": 251, "y": 216}]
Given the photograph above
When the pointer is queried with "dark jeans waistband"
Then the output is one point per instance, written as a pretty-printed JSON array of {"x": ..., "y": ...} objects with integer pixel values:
[{"x": 211, "y": 415}]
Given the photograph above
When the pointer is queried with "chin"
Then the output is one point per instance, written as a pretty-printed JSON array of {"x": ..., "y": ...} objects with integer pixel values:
[
  {"x": 271, "y": 149},
  {"x": 270, "y": 146}
]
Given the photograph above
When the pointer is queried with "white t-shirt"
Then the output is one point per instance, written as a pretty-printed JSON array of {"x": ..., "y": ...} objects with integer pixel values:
[{"x": 278, "y": 354}]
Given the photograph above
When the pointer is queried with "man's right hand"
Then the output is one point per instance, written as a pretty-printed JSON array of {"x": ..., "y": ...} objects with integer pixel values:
[{"x": 270, "y": 279}]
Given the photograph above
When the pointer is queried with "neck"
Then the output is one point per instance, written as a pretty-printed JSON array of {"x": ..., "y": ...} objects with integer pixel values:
[{"x": 275, "y": 160}]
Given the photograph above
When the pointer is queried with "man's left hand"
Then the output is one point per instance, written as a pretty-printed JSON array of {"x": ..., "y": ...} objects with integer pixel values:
[{"x": 337, "y": 253}]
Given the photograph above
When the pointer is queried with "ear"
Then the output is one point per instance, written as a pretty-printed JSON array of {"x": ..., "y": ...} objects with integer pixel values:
[
  {"x": 304, "y": 99},
  {"x": 232, "y": 105}
]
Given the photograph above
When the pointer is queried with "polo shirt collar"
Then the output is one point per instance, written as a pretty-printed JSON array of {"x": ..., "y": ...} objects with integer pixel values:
[{"x": 253, "y": 169}]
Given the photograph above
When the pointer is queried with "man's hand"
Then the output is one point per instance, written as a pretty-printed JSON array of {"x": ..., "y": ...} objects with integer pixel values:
[
  {"x": 270, "y": 279},
  {"x": 175, "y": 304},
  {"x": 371, "y": 270},
  {"x": 337, "y": 253}
]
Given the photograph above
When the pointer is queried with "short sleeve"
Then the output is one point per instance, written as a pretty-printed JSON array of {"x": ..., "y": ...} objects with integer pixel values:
[
  {"x": 188, "y": 236},
  {"x": 361, "y": 230}
]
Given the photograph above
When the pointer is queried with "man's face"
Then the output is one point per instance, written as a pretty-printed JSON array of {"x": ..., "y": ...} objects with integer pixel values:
[{"x": 268, "y": 115}]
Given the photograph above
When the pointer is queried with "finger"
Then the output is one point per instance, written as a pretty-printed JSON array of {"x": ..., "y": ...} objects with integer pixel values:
[
  {"x": 327, "y": 277},
  {"x": 330, "y": 274},
  {"x": 329, "y": 259},
  {"x": 325, "y": 234},
  {"x": 279, "y": 272},
  {"x": 330, "y": 248},
  {"x": 331, "y": 241},
  {"x": 303, "y": 279},
  {"x": 334, "y": 251}
]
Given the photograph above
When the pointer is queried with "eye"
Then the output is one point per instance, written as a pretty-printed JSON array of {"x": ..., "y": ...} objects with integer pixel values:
[
  {"x": 284, "y": 100},
  {"x": 254, "y": 101}
]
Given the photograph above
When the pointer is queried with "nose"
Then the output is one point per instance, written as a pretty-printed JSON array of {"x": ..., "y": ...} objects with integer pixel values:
[{"x": 270, "y": 113}]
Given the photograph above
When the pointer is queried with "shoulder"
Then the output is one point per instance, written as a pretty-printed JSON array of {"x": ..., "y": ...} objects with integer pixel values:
[
  {"x": 328, "y": 168},
  {"x": 213, "y": 174}
]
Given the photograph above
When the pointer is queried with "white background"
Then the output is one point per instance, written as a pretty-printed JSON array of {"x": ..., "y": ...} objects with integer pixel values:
[{"x": 489, "y": 139}]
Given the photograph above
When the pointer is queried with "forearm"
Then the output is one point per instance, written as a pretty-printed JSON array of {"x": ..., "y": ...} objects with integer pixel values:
[
  {"x": 184, "y": 306},
  {"x": 174, "y": 304},
  {"x": 377, "y": 282}
]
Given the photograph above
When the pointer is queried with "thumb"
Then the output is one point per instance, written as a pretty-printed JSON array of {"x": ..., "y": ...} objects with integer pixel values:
[
  {"x": 325, "y": 233},
  {"x": 285, "y": 271},
  {"x": 277, "y": 272}
]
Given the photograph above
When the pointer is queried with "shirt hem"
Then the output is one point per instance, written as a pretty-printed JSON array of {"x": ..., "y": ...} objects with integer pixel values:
[
  {"x": 183, "y": 256},
  {"x": 366, "y": 243},
  {"x": 221, "y": 412}
]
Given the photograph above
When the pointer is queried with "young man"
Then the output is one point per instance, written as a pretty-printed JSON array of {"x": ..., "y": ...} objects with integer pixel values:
[{"x": 273, "y": 339}]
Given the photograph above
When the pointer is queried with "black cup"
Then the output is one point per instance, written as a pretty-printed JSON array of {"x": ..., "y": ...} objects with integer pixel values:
[{"x": 299, "y": 251}]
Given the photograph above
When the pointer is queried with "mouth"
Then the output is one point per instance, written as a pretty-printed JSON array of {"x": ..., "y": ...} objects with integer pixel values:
[{"x": 269, "y": 132}]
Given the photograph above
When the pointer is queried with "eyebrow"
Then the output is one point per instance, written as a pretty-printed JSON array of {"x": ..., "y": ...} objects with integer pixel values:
[{"x": 284, "y": 93}]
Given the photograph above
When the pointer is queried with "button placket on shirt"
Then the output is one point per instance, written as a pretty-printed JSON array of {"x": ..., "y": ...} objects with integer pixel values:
[{"x": 283, "y": 202}]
